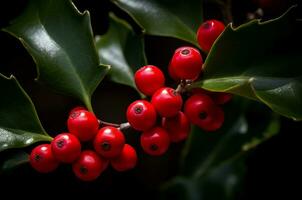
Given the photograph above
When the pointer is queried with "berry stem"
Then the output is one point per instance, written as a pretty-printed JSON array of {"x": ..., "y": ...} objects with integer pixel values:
[
  {"x": 181, "y": 88},
  {"x": 103, "y": 123},
  {"x": 122, "y": 126}
]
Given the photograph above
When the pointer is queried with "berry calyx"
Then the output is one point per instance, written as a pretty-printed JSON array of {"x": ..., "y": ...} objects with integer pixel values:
[
  {"x": 148, "y": 79},
  {"x": 109, "y": 142},
  {"x": 208, "y": 32},
  {"x": 155, "y": 141},
  {"x": 83, "y": 124},
  {"x": 88, "y": 166},
  {"x": 186, "y": 63},
  {"x": 42, "y": 159},
  {"x": 167, "y": 102},
  {"x": 141, "y": 115},
  {"x": 66, "y": 147},
  {"x": 126, "y": 160},
  {"x": 178, "y": 127},
  {"x": 203, "y": 112}
]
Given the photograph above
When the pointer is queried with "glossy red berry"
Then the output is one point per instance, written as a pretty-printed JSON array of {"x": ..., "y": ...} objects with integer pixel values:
[
  {"x": 126, "y": 160},
  {"x": 203, "y": 112},
  {"x": 109, "y": 142},
  {"x": 88, "y": 166},
  {"x": 186, "y": 63},
  {"x": 66, "y": 147},
  {"x": 155, "y": 141},
  {"x": 219, "y": 98},
  {"x": 167, "y": 102},
  {"x": 78, "y": 108},
  {"x": 178, "y": 127},
  {"x": 42, "y": 159},
  {"x": 141, "y": 115},
  {"x": 148, "y": 79},
  {"x": 208, "y": 32},
  {"x": 83, "y": 124}
]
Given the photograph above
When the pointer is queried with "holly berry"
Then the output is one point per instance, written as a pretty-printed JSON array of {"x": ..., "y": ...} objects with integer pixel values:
[
  {"x": 186, "y": 63},
  {"x": 167, "y": 102},
  {"x": 178, "y": 127},
  {"x": 78, "y": 108},
  {"x": 66, "y": 147},
  {"x": 83, "y": 124},
  {"x": 89, "y": 166},
  {"x": 141, "y": 115},
  {"x": 155, "y": 141},
  {"x": 126, "y": 160},
  {"x": 208, "y": 32},
  {"x": 148, "y": 79},
  {"x": 42, "y": 159},
  {"x": 219, "y": 98},
  {"x": 109, "y": 142},
  {"x": 203, "y": 112}
]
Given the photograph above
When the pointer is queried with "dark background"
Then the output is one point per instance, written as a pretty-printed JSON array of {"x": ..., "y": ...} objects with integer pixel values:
[{"x": 273, "y": 169}]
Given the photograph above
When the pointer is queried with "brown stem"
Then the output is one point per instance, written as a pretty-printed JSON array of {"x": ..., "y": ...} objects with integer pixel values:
[{"x": 121, "y": 126}]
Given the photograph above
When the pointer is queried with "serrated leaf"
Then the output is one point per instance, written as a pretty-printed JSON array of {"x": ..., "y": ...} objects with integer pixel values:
[
  {"x": 179, "y": 19},
  {"x": 121, "y": 48},
  {"x": 60, "y": 40},
  {"x": 19, "y": 123},
  {"x": 213, "y": 163},
  {"x": 261, "y": 61}
]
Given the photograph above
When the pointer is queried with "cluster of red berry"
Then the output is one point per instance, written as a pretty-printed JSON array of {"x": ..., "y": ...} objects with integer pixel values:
[
  {"x": 108, "y": 142},
  {"x": 201, "y": 108}
]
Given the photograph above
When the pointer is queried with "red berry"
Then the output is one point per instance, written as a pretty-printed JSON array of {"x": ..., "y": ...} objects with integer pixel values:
[
  {"x": 126, "y": 160},
  {"x": 109, "y": 142},
  {"x": 83, "y": 124},
  {"x": 88, "y": 166},
  {"x": 148, "y": 79},
  {"x": 42, "y": 159},
  {"x": 219, "y": 98},
  {"x": 66, "y": 147},
  {"x": 178, "y": 127},
  {"x": 208, "y": 32},
  {"x": 203, "y": 112},
  {"x": 78, "y": 108},
  {"x": 105, "y": 163},
  {"x": 167, "y": 102},
  {"x": 141, "y": 115},
  {"x": 155, "y": 142},
  {"x": 186, "y": 63}
]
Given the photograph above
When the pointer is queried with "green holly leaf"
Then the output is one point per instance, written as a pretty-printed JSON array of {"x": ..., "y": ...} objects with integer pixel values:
[
  {"x": 213, "y": 164},
  {"x": 19, "y": 122},
  {"x": 261, "y": 61},
  {"x": 60, "y": 40},
  {"x": 123, "y": 50},
  {"x": 15, "y": 160},
  {"x": 179, "y": 19}
]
